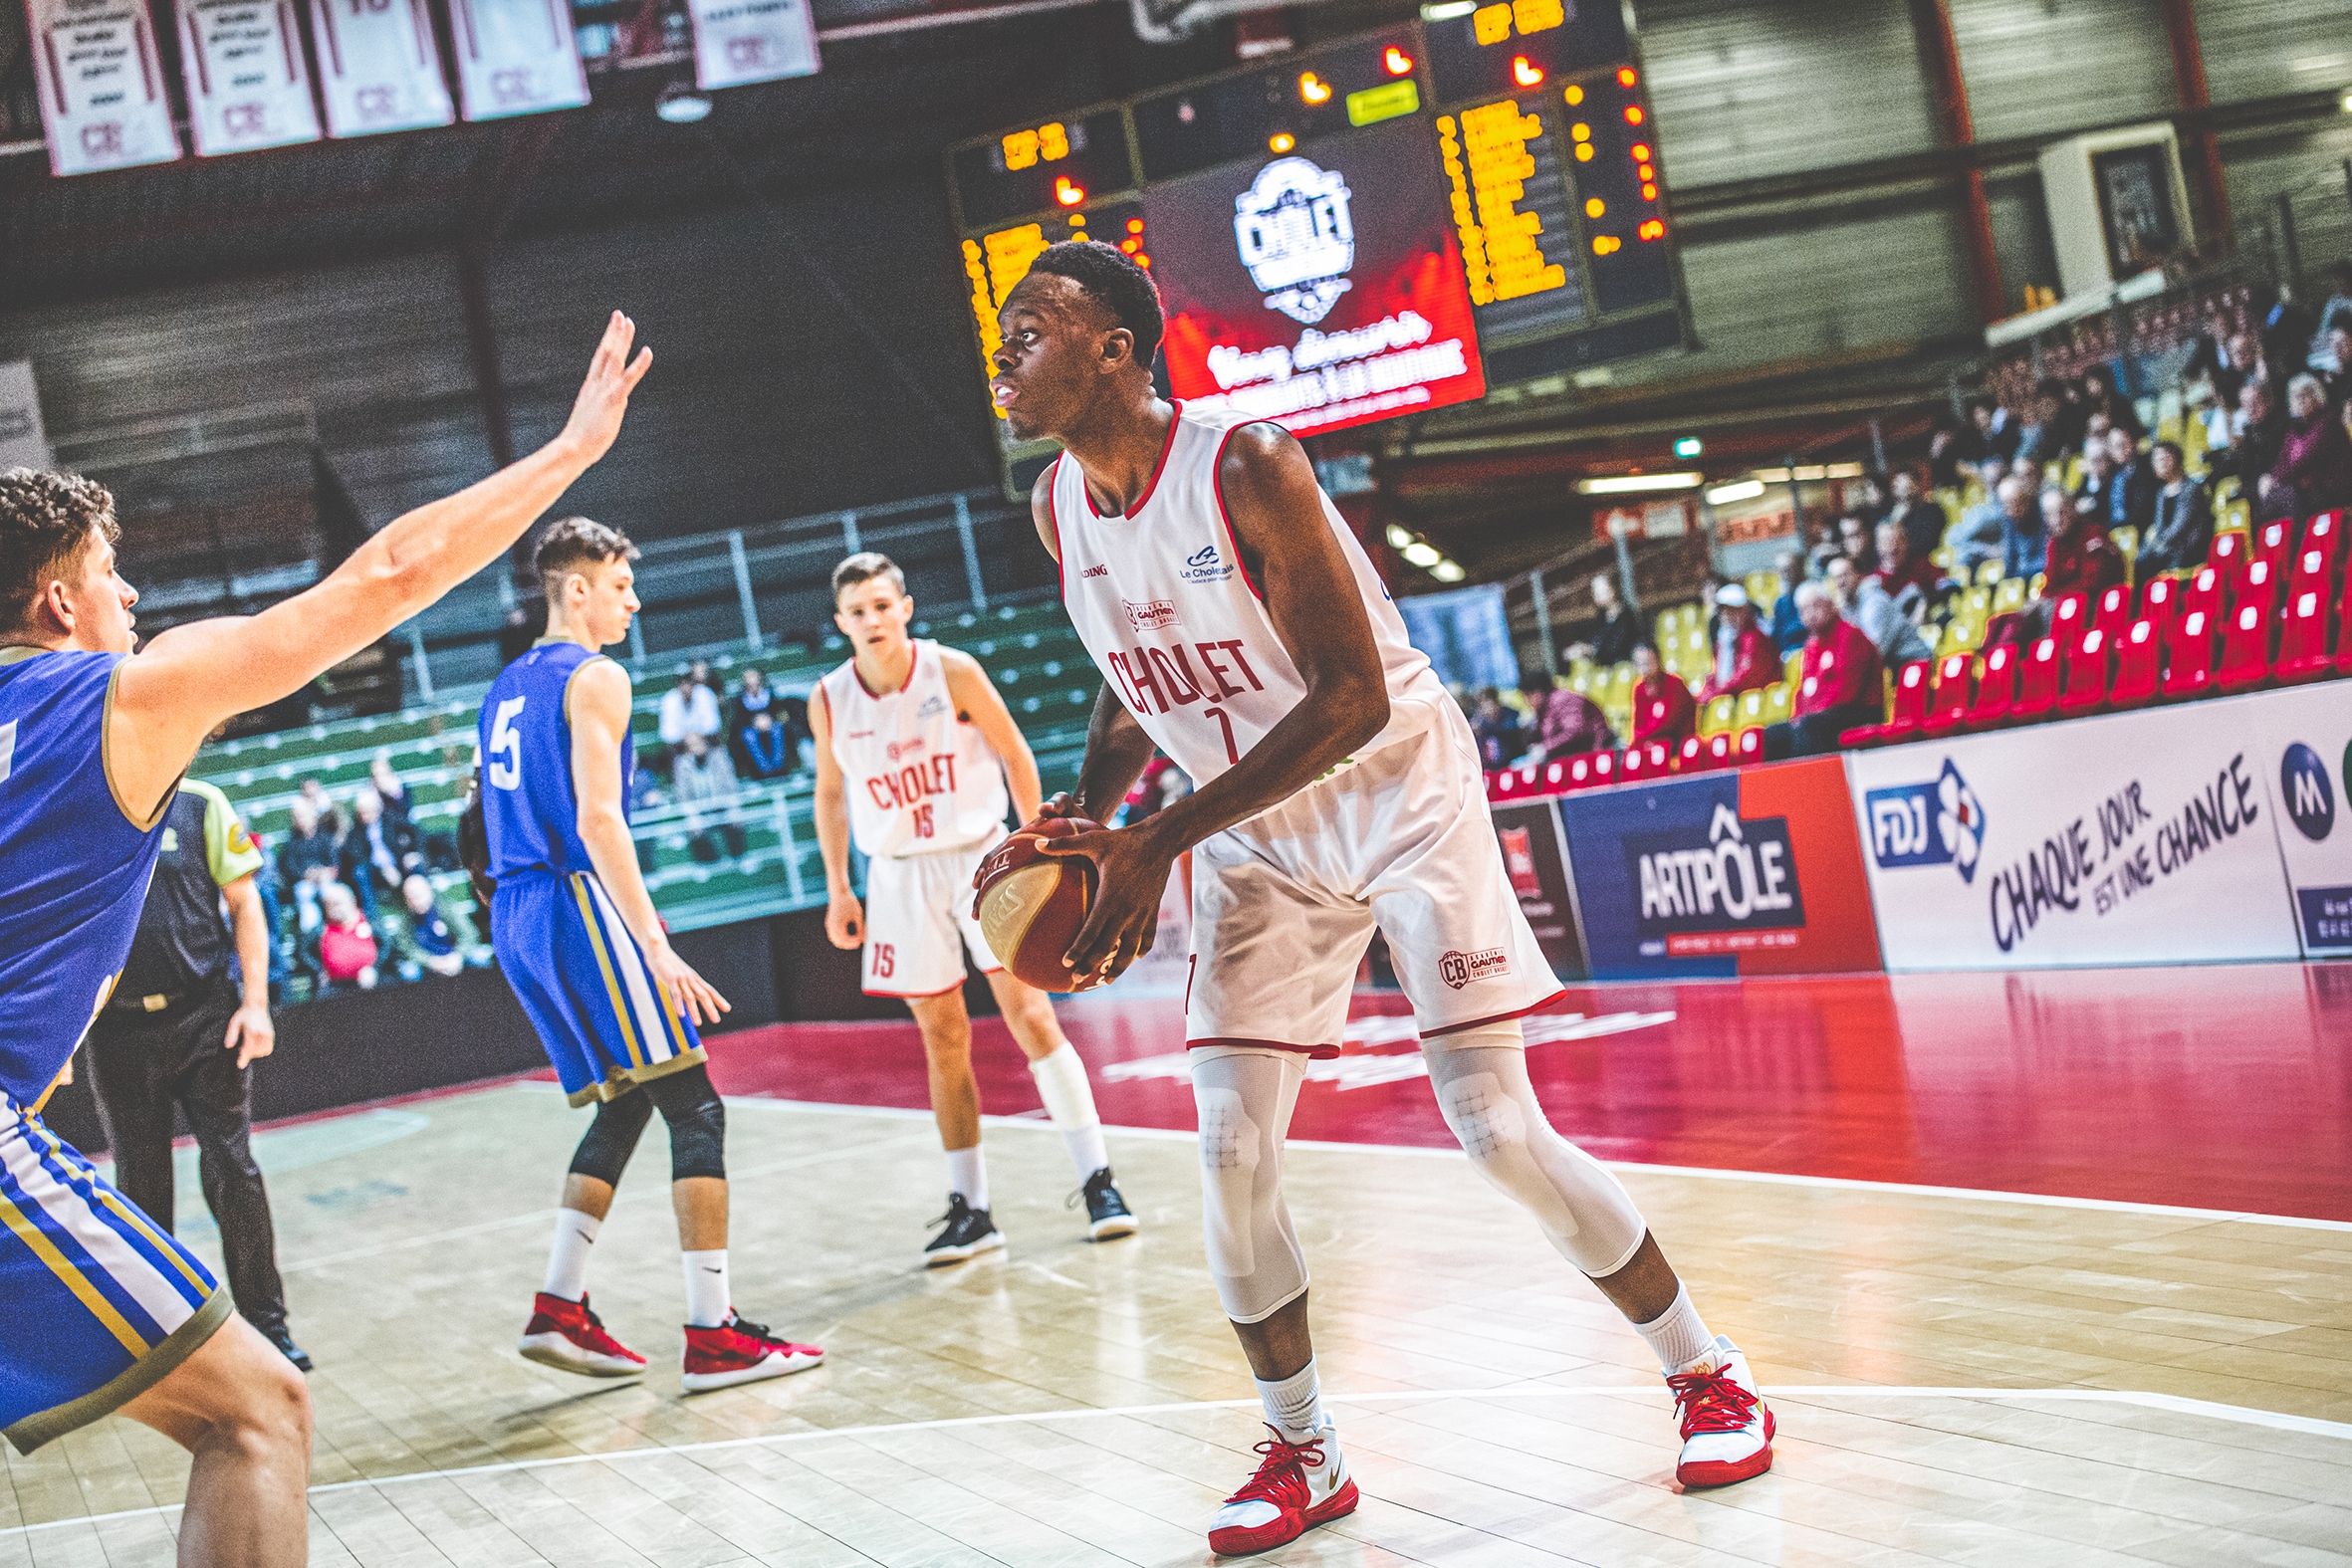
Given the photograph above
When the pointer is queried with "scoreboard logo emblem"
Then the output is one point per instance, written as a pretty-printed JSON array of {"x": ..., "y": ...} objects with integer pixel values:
[{"x": 1296, "y": 237}]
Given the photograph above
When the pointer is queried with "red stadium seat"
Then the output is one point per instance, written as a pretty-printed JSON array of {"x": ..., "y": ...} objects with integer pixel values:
[
  {"x": 1580, "y": 770},
  {"x": 1997, "y": 688},
  {"x": 1911, "y": 707},
  {"x": 1653, "y": 760},
  {"x": 1554, "y": 778},
  {"x": 2227, "y": 553},
  {"x": 2206, "y": 591},
  {"x": 1749, "y": 747},
  {"x": 2068, "y": 616},
  {"x": 2160, "y": 600},
  {"x": 2322, "y": 550},
  {"x": 2305, "y": 650},
  {"x": 2114, "y": 611},
  {"x": 1692, "y": 757},
  {"x": 2274, "y": 540},
  {"x": 2260, "y": 580},
  {"x": 1722, "y": 748},
  {"x": 2189, "y": 657},
  {"x": 1605, "y": 768},
  {"x": 2037, "y": 683},
  {"x": 2089, "y": 658},
  {"x": 2139, "y": 665},
  {"x": 2245, "y": 646},
  {"x": 1502, "y": 785},
  {"x": 1948, "y": 710}
]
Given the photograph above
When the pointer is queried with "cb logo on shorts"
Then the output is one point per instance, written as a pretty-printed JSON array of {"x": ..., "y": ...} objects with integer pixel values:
[{"x": 1460, "y": 969}]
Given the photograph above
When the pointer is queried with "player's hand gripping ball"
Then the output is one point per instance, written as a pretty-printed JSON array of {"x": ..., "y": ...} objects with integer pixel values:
[{"x": 1031, "y": 905}]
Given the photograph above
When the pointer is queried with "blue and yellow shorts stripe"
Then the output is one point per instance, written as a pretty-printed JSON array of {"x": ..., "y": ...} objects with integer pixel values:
[
  {"x": 97, "y": 1302},
  {"x": 582, "y": 981}
]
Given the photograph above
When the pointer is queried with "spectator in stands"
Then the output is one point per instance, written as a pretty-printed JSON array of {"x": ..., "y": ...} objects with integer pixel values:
[
  {"x": 700, "y": 772},
  {"x": 1857, "y": 543},
  {"x": 2313, "y": 472},
  {"x": 2336, "y": 375},
  {"x": 1567, "y": 722},
  {"x": 764, "y": 751},
  {"x": 429, "y": 935},
  {"x": 1864, "y": 600},
  {"x": 1912, "y": 581},
  {"x": 1607, "y": 639},
  {"x": 375, "y": 857},
  {"x": 1788, "y": 632},
  {"x": 2253, "y": 436},
  {"x": 689, "y": 708},
  {"x": 752, "y": 699},
  {"x": 2098, "y": 472},
  {"x": 1976, "y": 538},
  {"x": 1872, "y": 501},
  {"x": 390, "y": 791},
  {"x": 1496, "y": 729},
  {"x": 330, "y": 820},
  {"x": 2022, "y": 538},
  {"x": 1744, "y": 657},
  {"x": 2100, "y": 395},
  {"x": 2181, "y": 531},
  {"x": 700, "y": 673},
  {"x": 2131, "y": 492},
  {"x": 1843, "y": 685},
  {"x": 2040, "y": 441},
  {"x": 346, "y": 952},
  {"x": 1921, "y": 519},
  {"x": 2335, "y": 311},
  {"x": 2078, "y": 559},
  {"x": 1662, "y": 706},
  {"x": 306, "y": 861}
]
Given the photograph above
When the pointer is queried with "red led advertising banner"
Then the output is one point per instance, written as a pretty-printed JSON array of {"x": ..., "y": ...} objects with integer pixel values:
[{"x": 1319, "y": 288}]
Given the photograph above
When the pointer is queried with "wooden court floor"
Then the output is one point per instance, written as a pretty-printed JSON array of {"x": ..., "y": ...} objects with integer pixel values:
[{"x": 1963, "y": 1379}]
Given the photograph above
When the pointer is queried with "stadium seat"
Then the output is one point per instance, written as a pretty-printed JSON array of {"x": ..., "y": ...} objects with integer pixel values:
[
  {"x": 2037, "y": 683},
  {"x": 2069, "y": 617},
  {"x": 1716, "y": 715},
  {"x": 2113, "y": 612},
  {"x": 1580, "y": 771},
  {"x": 2229, "y": 552},
  {"x": 2189, "y": 657},
  {"x": 1748, "y": 746},
  {"x": 2245, "y": 646},
  {"x": 1780, "y": 701},
  {"x": 2139, "y": 664},
  {"x": 1653, "y": 760},
  {"x": 1987, "y": 574},
  {"x": 1752, "y": 709},
  {"x": 2090, "y": 657},
  {"x": 2009, "y": 596},
  {"x": 1722, "y": 748},
  {"x": 1962, "y": 636},
  {"x": 1996, "y": 689},
  {"x": 2274, "y": 540},
  {"x": 2322, "y": 548},
  {"x": 1692, "y": 756},
  {"x": 2206, "y": 589},
  {"x": 1975, "y": 603},
  {"x": 2160, "y": 600},
  {"x": 1910, "y": 709},
  {"x": 1503, "y": 785},
  {"x": 2305, "y": 651},
  {"x": 2125, "y": 541},
  {"x": 2258, "y": 581},
  {"x": 1948, "y": 709}
]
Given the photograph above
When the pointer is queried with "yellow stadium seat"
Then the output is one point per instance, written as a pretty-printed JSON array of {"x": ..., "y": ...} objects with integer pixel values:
[
  {"x": 1975, "y": 603},
  {"x": 1751, "y": 706},
  {"x": 2033, "y": 589},
  {"x": 1580, "y": 682},
  {"x": 1663, "y": 626},
  {"x": 1962, "y": 636},
  {"x": 1780, "y": 701},
  {"x": 1794, "y": 666},
  {"x": 1941, "y": 556},
  {"x": 1692, "y": 617},
  {"x": 1987, "y": 574},
  {"x": 1763, "y": 589},
  {"x": 1716, "y": 717},
  {"x": 2009, "y": 596}
]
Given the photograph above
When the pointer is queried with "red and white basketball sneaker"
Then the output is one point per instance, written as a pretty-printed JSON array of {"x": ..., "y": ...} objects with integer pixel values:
[
  {"x": 567, "y": 1335},
  {"x": 1299, "y": 1486},
  {"x": 740, "y": 1351},
  {"x": 1726, "y": 1428}
]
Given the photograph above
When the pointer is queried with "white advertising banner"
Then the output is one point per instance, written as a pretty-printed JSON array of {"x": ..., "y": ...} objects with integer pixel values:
[
  {"x": 515, "y": 57},
  {"x": 100, "y": 83},
  {"x": 2305, "y": 736},
  {"x": 249, "y": 85},
  {"x": 22, "y": 443},
  {"x": 739, "y": 42},
  {"x": 2134, "y": 838},
  {"x": 378, "y": 67}
]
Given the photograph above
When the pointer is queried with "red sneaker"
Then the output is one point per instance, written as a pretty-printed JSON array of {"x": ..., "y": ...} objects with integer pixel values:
[
  {"x": 1296, "y": 1488},
  {"x": 1726, "y": 1428},
  {"x": 567, "y": 1335},
  {"x": 740, "y": 1351}
]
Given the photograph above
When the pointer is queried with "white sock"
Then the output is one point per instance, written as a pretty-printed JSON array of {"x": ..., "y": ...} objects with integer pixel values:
[
  {"x": 1676, "y": 1335},
  {"x": 967, "y": 1173},
  {"x": 1069, "y": 1103},
  {"x": 568, "y": 1259},
  {"x": 1295, "y": 1406},
  {"x": 708, "y": 1300}
]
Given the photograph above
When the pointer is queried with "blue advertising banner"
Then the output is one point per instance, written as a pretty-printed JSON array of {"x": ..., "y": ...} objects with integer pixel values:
[{"x": 1465, "y": 633}]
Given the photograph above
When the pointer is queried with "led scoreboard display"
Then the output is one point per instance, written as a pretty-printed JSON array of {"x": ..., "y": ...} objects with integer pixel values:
[{"x": 1377, "y": 227}]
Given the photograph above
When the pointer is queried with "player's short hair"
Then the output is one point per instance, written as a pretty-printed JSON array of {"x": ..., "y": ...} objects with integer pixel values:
[
  {"x": 576, "y": 545},
  {"x": 864, "y": 566},
  {"x": 45, "y": 523},
  {"x": 1110, "y": 276}
]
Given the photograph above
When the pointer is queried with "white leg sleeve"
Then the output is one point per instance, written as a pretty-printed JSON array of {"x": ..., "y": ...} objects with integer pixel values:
[
  {"x": 1480, "y": 1078},
  {"x": 1244, "y": 1095}
]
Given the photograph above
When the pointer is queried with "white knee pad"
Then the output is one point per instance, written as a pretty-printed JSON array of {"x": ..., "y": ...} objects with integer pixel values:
[
  {"x": 1480, "y": 1078},
  {"x": 1245, "y": 1097}
]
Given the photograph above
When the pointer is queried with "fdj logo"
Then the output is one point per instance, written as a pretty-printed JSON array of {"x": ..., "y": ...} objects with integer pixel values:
[
  {"x": 2310, "y": 799},
  {"x": 1942, "y": 823}
]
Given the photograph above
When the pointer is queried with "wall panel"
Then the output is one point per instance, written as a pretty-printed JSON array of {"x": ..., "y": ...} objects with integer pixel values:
[
  {"x": 2047, "y": 68},
  {"x": 2262, "y": 48}
]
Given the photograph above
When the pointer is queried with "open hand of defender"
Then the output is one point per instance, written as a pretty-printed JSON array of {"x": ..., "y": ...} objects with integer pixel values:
[
  {"x": 604, "y": 396},
  {"x": 1131, "y": 868}
]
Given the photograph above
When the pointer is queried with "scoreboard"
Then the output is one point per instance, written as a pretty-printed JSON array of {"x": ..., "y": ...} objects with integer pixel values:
[{"x": 1380, "y": 226}]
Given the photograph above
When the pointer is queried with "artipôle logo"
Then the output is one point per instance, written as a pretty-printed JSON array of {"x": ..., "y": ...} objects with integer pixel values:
[{"x": 1462, "y": 969}]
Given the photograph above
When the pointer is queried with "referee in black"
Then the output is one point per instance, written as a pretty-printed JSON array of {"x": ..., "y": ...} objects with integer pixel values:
[{"x": 189, "y": 1014}]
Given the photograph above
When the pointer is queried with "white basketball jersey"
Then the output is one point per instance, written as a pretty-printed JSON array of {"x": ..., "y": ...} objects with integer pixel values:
[
  {"x": 1164, "y": 604},
  {"x": 920, "y": 778}
]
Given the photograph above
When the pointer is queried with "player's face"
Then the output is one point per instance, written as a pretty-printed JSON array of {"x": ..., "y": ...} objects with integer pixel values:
[
  {"x": 874, "y": 615},
  {"x": 1058, "y": 353},
  {"x": 613, "y": 601},
  {"x": 99, "y": 603}
]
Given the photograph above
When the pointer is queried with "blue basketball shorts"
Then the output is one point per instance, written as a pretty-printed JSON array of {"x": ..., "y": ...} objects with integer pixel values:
[
  {"x": 97, "y": 1302},
  {"x": 582, "y": 981}
]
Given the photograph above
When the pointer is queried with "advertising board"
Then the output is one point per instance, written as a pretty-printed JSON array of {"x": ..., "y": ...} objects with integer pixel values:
[
  {"x": 1536, "y": 856},
  {"x": 2304, "y": 758}
]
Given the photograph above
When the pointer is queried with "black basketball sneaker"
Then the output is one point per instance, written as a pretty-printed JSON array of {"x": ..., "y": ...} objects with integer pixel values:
[
  {"x": 969, "y": 1232},
  {"x": 1107, "y": 1214}
]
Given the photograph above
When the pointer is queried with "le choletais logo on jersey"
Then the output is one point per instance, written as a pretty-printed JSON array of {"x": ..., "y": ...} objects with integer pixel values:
[{"x": 1205, "y": 565}]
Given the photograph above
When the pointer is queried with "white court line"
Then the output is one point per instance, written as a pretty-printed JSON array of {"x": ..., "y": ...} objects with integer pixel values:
[
  {"x": 2175, "y": 1404},
  {"x": 1775, "y": 1178}
]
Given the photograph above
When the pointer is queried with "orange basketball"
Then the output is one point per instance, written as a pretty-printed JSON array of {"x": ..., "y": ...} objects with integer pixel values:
[{"x": 1029, "y": 904}]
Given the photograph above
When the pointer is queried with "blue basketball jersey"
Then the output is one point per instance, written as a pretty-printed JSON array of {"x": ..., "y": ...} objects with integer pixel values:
[
  {"x": 529, "y": 808},
  {"x": 74, "y": 866}
]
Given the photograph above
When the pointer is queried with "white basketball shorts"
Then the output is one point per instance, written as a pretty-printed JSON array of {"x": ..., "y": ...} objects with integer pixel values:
[
  {"x": 1284, "y": 904},
  {"x": 918, "y": 922}
]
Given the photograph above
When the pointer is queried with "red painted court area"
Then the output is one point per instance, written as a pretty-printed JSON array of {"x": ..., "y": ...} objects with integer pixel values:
[{"x": 2225, "y": 1086}]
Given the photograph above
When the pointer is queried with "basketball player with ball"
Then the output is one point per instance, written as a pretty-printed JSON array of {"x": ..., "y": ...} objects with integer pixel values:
[
  {"x": 1241, "y": 630},
  {"x": 914, "y": 751}
]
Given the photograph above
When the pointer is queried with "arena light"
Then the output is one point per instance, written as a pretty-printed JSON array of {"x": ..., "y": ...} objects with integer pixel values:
[
  {"x": 1526, "y": 72},
  {"x": 1281, "y": 141},
  {"x": 1689, "y": 446},
  {"x": 1450, "y": 11},
  {"x": 1736, "y": 489},
  {"x": 1448, "y": 571},
  {"x": 1398, "y": 537},
  {"x": 680, "y": 104},
  {"x": 1422, "y": 555},
  {"x": 1636, "y": 484}
]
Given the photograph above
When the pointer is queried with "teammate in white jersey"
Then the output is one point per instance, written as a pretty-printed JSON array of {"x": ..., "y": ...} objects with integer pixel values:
[
  {"x": 1241, "y": 630},
  {"x": 914, "y": 753}
]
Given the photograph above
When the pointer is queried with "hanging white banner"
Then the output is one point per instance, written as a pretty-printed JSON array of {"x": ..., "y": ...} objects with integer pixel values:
[
  {"x": 249, "y": 85},
  {"x": 738, "y": 42},
  {"x": 378, "y": 67},
  {"x": 22, "y": 441},
  {"x": 100, "y": 83},
  {"x": 515, "y": 57}
]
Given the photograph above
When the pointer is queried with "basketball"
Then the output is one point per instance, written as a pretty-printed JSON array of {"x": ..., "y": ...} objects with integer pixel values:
[{"x": 1029, "y": 904}]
